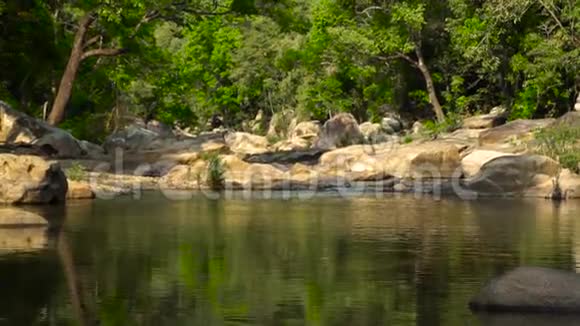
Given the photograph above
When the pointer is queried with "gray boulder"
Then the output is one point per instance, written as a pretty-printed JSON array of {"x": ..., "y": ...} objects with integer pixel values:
[
  {"x": 392, "y": 122},
  {"x": 17, "y": 128},
  {"x": 340, "y": 131},
  {"x": 497, "y": 117},
  {"x": 512, "y": 131},
  {"x": 531, "y": 289},
  {"x": 131, "y": 138},
  {"x": 513, "y": 175}
]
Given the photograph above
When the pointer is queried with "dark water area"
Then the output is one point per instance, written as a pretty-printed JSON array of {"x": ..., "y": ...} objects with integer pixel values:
[{"x": 321, "y": 261}]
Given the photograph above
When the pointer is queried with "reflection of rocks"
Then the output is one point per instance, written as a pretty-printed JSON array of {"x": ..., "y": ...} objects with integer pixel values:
[
  {"x": 18, "y": 240},
  {"x": 531, "y": 289},
  {"x": 30, "y": 180},
  {"x": 21, "y": 231}
]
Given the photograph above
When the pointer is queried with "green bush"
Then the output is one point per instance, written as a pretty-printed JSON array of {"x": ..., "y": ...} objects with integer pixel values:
[
  {"x": 561, "y": 143},
  {"x": 451, "y": 123},
  {"x": 215, "y": 173},
  {"x": 76, "y": 172}
]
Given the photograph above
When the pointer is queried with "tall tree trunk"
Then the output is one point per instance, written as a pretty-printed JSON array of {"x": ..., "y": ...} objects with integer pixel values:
[
  {"x": 433, "y": 99},
  {"x": 70, "y": 73}
]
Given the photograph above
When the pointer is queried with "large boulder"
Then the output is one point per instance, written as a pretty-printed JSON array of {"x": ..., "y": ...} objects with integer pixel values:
[
  {"x": 374, "y": 132},
  {"x": 514, "y": 175},
  {"x": 570, "y": 120},
  {"x": 131, "y": 138},
  {"x": 473, "y": 162},
  {"x": 340, "y": 131},
  {"x": 307, "y": 130},
  {"x": 496, "y": 117},
  {"x": 244, "y": 143},
  {"x": 514, "y": 131},
  {"x": 78, "y": 190},
  {"x": 531, "y": 289},
  {"x": 185, "y": 177},
  {"x": 19, "y": 128},
  {"x": 30, "y": 180},
  {"x": 434, "y": 160},
  {"x": 240, "y": 174},
  {"x": 391, "y": 124}
]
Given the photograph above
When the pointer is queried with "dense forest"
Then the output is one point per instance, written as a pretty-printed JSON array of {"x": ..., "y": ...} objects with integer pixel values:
[{"x": 86, "y": 64}]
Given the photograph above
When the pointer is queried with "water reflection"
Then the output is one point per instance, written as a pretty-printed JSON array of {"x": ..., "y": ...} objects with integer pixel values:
[{"x": 326, "y": 261}]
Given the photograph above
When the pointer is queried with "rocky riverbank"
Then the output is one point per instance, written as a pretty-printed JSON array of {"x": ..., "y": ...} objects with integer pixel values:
[{"x": 485, "y": 157}]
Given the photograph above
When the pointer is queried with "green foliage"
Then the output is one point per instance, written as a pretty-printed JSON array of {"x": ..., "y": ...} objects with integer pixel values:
[
  {"x": 76, "y": 172},
  {"x": 316, "y": 58},
  {"x": 451, "y": 123},
  {"x": 562, "y": 144},
  {"x": 215, "y": 173}
]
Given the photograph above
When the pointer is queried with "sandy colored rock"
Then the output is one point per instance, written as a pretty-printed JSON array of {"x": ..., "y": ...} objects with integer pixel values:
[
  {"x": 30, "y": 180},
  {"x": 427, "y": 160},
  {"x": 185, "y": 177},
  {"x": 472, "y": 163},
  {"x": 252, "y": 176},
  {"x": 78, "y": 190},
  {"x": 244, "y": 143},
  {"x": 307, "y": 130}
]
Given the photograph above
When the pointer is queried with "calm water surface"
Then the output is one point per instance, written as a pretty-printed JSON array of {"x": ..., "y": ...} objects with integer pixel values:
[{"x": 323, "y": 261}]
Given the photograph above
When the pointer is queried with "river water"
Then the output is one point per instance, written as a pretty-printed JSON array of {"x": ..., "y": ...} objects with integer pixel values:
[{"x": 322, "y": 261}]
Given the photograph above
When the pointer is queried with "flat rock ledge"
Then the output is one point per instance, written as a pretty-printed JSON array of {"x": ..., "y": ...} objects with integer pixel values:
[{"x": 530, "y": 290}]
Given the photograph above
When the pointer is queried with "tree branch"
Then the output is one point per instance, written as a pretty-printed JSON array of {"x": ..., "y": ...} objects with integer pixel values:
[
  {"x": 103, "y": 53},
  {"x": 92, "y": 41}
]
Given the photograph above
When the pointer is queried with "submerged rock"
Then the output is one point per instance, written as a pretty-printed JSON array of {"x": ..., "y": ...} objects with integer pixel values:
[
  {"x": 30, "y": 180},
  {"x": 16, "y": 217},
  {"x": 531, "y": 289}
]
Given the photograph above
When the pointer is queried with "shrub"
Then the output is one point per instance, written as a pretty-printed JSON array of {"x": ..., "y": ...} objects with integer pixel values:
[
  {"x": 561, "y": 143},
  {"x": 451, "y": 123},
  {"x": 76, "y": 172},
  {"x": 215, "y": 173}
]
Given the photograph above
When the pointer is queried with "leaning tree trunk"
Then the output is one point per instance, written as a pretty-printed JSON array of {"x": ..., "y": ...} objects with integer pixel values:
[
  {"x": 70, "y": 73},
  {"x": 433, "y": 99}
]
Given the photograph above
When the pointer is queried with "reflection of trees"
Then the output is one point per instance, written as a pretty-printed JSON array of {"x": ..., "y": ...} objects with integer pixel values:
[{"x": 357, "y": 262}]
